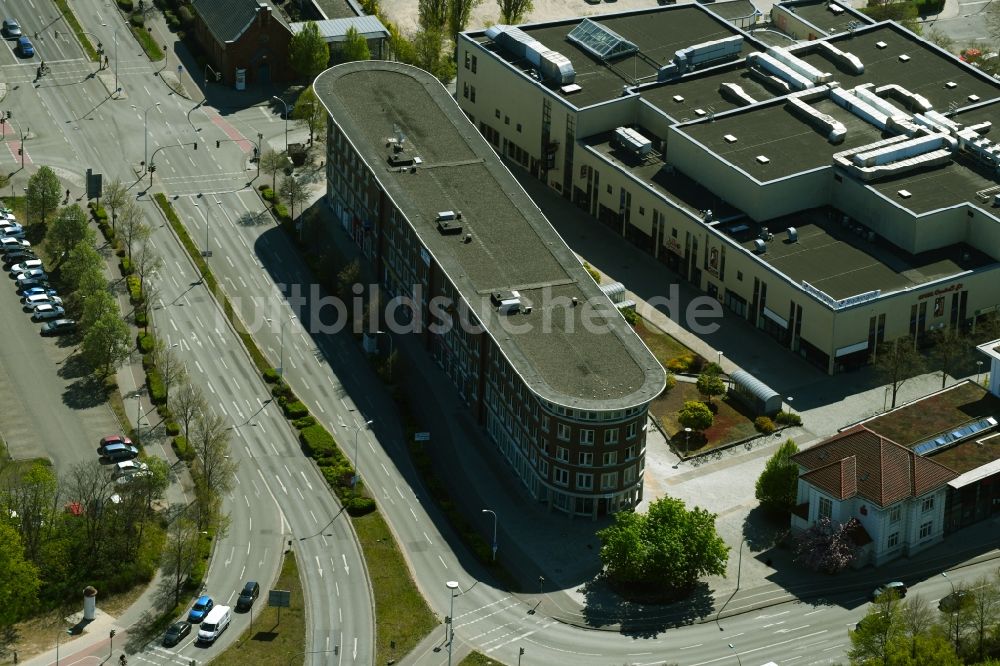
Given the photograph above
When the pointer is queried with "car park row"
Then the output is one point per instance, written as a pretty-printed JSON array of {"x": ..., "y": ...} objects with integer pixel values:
[{"x": 212, "y": 619}]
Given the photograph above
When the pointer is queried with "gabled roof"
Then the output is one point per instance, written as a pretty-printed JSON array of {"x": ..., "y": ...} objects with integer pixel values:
[
  {"x": 335, "y": 30},
  {"x": 228, "y": 19},
  {"x": 861, "y": 462}
]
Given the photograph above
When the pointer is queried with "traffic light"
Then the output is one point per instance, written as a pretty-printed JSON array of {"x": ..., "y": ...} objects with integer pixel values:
[
  {"x": 20, "y": 151},
  {"x": 111, "y": 633},
  {"x": 218, "y": 143},
  {"x": 8, "y": 115},
  {"x": 152, "y": 168}
]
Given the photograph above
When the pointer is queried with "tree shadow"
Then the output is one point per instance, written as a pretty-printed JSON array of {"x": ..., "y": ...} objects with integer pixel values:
[
  {"x": 152, "y": 621},
  {"x": 763, "y": 529},
  {"x": 254, "y": 218},
  {"x": 8, "y": 638},
  {"x": 74, "y": 367},
  {"x": 604, "y": 607}
]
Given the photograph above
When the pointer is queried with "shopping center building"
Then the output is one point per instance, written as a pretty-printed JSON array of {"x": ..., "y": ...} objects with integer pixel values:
[
  {"x": 836, "y": 192},
  {"x": 541, "y": 356}
]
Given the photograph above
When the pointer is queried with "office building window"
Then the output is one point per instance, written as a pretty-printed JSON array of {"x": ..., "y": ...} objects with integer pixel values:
[
  {"x": 609, "y": 480},
  {"x": 472, "y": 93},
  {"x": 465, "y": 91},
  {"x": 586, "y": 459},
  {"x": 893, "y": 540},
  {"x": 894, "y": 514},
  {"x": 468, "y": 60},
  {"x": 584, "y": 481},
  {"x": 586, "y": 436},
  {"x": 543, "y": 468},
  {"x": 560, "y": 476},
  {"x": 474, "y": 63},
  {"x": 562, "y": 453},
  {"x": 611, "y": 436},
  {"x": 630, "y": 430},
  {"x": 563, "y": 432},
  {"x": 630, "y": 474},
  {"x": 927, "y": 505},
  {"x": 630, "y": 452},
  {"x": 610, "y": 458},
  {"x": 925, "y": 529}
]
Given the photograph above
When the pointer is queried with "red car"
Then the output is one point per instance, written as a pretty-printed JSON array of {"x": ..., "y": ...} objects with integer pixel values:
[{"x": 115, "y": 439}]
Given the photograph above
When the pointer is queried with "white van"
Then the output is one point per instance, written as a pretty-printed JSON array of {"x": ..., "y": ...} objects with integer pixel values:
[{"x": 214, "y": 624}]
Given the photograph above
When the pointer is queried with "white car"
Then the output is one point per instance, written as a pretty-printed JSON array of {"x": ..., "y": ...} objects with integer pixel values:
[
  {"x": 7, "y": 230},
  {"x": 26, "y": 266},
  {"x": 40, "y": 299},
  {"x": 129, "y": 467},
  {"x": 7, "y": 220},
  {"x": 8, "y": 243},
  {"x": 32, "y": 274},
  {"x": 47, "y": 311}
]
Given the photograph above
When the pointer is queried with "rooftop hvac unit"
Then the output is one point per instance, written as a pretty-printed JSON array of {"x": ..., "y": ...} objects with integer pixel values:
[
  {"x": 759, "y": 246},
  {"x": 793, "y": 235},
  {"x": 449, "y": 227},
  {"x": 506, "y": 302},
  {"x": 615, "y": 291},
  {"x": 556, "y": 67},
  {"x": 632, "y": 141}
]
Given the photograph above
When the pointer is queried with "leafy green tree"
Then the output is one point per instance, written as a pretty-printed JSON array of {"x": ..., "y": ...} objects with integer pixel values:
[
  {"x": 133, "y": 229},
  {"x": 106, "y": 343},
  {"x": 695, "y": 415},
  {"x": 928, "y": 649},
  {"x": 873, "y": 636},
  {"x": 19, "y": 583},
  {"x": 984, "y": 613},
  {"x": 271, "y": 162},
  {"x": 370, "y": 7},
  {"x": 432, "y": 14},
  {"x": 32, "y": 496},
  {"x": 69, "y": 230},
  {"x": 459, "y": 12},
  {"x": 98, "y": 306},
  {"x": 354, "y": 47},
  {"x": 777, "y": 485},
  {"x": 401, "y": 48},
  {"x": 81, "y": 259},
  {"x": 513, "y": 12},
  {"x": 311, "y": 112},
  {"x": 897, "y": 361},
  {"x": 710, "y": 385},
  {"x": 900, "y": 11},
  {"x": 168, "y": 365},
  {"x": 89, "y": 283},
  {"x": 669, "y": 547},
  {"x": 44, "y": 193},
  {"x": 115, "y": 196},
  {"x": 308, "y": 52},
  {"x": 429, "y": 54}
]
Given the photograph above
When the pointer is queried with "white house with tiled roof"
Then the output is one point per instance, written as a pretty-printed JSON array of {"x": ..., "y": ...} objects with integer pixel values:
[{"x": 897, "y": 495}]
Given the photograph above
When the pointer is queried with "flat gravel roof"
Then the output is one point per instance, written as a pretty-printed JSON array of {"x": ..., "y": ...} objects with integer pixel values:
[{"x": 513, "y": 247}]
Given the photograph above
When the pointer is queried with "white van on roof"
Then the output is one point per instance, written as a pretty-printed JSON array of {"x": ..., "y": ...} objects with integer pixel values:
[{"x": 214, "y": 624}]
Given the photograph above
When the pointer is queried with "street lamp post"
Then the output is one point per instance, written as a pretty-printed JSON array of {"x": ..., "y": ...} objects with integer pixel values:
[
  {"x": 281, "y": 345},
  {"x": 789, "y": 401},
  {"x": 449, "y": 625},
  {"x": 145, "y": 134},
  {"x": 494, "y": 514},
  {"x": 956, "y": 603},
  {"x": 979, "y": 364},
  {"x": 738, "y": 660},
  {"x": 138, "y": 418},
  {"x": 27, "y": 132},
  {"x": 286, "y": 119},
  {"x": 390, "y": 352},
  {"x": 357, "y": 433},
  {"x": 687, "y": 440}
]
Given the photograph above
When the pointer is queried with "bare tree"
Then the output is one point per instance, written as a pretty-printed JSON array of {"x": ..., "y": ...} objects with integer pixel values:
[
  {"x": 134, "y": 230},
  {"x": 984, "y": 612},
  {"x": 271, "y": 163},
  {"x": 917, "y": 618},
  {"x": 898, "y": 360},
  {"x": 210, "y": 441},
  {"x": 90, "y": 486},
  {"x": 146, "y": 262},
  {"x": 951, "y": 349},
  {"x": 180, "y": 553},
  {"x": 188, "y": 404},
  {"x": 292, "y": 191},
  {"x": 115, "y": 196},
  {"x": 171, "y": 370}
]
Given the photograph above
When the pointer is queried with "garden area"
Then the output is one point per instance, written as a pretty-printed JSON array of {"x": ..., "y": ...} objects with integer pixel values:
[{"x": 731, "y": 423}]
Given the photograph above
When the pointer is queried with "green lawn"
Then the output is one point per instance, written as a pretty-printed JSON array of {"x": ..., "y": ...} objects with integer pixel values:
[
  {"x": 401, "y": 614},
  {"x": 269, "y": 642},
  {"x": 477, "y": 659},
  {"x": 931, "y": 416},
  {"x": 663, "y": 346}
]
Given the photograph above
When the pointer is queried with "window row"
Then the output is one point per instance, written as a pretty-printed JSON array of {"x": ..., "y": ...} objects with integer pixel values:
[{"x": 586, "y": 435}]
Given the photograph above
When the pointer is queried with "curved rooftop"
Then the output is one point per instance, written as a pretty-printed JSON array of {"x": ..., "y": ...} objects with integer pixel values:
[{"x": 582, "y": 356}]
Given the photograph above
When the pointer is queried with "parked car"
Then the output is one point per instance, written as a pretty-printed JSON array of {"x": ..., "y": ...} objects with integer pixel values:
[
  {"x": 11, "y": 28},
  {"x": 129, "y": 467},
  {"x": 896, "y": 586},
  {"x": 114, "y": 439},
  {"x": 201, "y": 608},
  {"x": 15, "y": 256},
  {"x": 28, "y": 284},
  {"x": 38, "y": 299},
  {"x": 12, "y": 230},
  {"x": 214, "y": 624},
  {"x": 955, "y": 601},
  {"x": 24, "y": 46},
  {"x": 47, "y": 311},
  {"x": 25, "y": 266},
  {"x": 249, "y": 595},
  {"x": 8, "y": 243},
  {"x": 58, "y": 327},
  {"x": 34, "y": 291},
  {"x": 31, "y": 274},
  {"x": 175, "y": 633},
  {"x": 118, "y": 452},
  {"x": 8, "y": 222}
]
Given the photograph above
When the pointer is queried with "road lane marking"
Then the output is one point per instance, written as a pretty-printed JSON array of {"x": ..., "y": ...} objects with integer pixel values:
[
  {"x": 300, "y": 493},
  {"x": 442, "y": 562},
  {"x": 428, "y": 539},
  {"x": 319, "y": 566},
  {"x": 305, "y": 479},
  {"x": 346, "y": 568},
  {"x": 688, "y": 647},
  {"x": 758, "y": 649},
  {"x": 283, "y": 489},
  {"x": 313, "y": 516}
]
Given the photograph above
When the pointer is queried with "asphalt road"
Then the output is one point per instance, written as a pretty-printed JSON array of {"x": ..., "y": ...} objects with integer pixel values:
[{"x": 70, "y": 123}]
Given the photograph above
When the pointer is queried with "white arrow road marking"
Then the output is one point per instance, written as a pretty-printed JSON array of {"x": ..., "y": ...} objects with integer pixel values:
[
  {"x": 305, "y": 479},
  {"x": 319, "y": 566},
  {"x": 283, "y": 489},
  {"x": 231, "y": 553},
  {"x": 346, "y": 568},
  {"x": 355, "y": 648}
]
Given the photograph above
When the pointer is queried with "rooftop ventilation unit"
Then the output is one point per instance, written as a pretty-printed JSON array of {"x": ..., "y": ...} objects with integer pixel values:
[
  {"x": 449, "y": 223},
  {"x": 793, "y": 235},
  {"x": 633, "y": 141},
  {"x": 506, "y": 302},
  {"x": 687, "y": 59},
  {"x": 551, "y": 65},
  {"x": 759, "y": 246}
]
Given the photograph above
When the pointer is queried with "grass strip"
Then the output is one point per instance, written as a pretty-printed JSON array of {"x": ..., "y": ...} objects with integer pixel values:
[
  {"x": 148, "y": 44},
  {"x": 270, "y": 642},
  {"x": 478, "y": 659},
  {"x": 402, "y": 617},
  {"x": 81, "y": 36}
]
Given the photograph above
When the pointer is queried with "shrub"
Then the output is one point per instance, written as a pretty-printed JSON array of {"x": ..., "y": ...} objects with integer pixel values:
[
  {"x": 283, "y": 392},
  {"x": 593, "y": 272},
  {"x": 173, "y": 428},
  {"x": 164, "y": 412},
  {"x": 712, "y": 368},
  {"x": 141, "y": 319},
  {"x": 630, "y": 315},
  {"x": 119, "y": 252},
  {"x": 788, "y": 418},
  {"x": 304, "y": 422},
  {"x": 182, "y": 448},
  {"x": 697, "y": 363},
  {"x": 137, "y": 19},
  {"x": 147, "y": 361},
  {"x": 281, "y": 212},
  {"x": 186, "y": 16},
  {"x": 134, "y": 288},
  {"x": 680, "y": 364},
  {"x": 173, "y": 23},
  {"x": 764, "y": 425},
  {"x": 145, "y": 342},
  {"x": 359, "y": 506},
  {"x": 157, "y": 391},
  {"x": 125, "y": 6},
  {"x": 295, "y": 410},
  {"x": 317, "y": 441},
  {"x": 100, "y": 213},
  {"x": 271, "y": 376},
  {"x": 267, "y": 193}
]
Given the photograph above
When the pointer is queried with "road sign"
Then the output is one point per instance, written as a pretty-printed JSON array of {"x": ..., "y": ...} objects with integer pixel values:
[
  {"x": 280, "y": 598},
  {"x": 422, "y": 437}
]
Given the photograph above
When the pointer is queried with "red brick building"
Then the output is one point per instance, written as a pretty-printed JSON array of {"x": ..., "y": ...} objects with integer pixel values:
[{"x": 244, "y": 40}]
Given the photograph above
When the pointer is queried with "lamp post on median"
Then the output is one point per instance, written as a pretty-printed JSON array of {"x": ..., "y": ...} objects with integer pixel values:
[
  {"x": 449, "y": 625},
  {"x": 738, "y": 660},
  {"x": 286, "y": 119},
  {"x": 357, "y": 433},
  {"x": 281, "y": 353},
  {"x": 494, "y": 514},
  {"x": 687, "y": 440},
  {"x": 389, "y": 362},
  {"x": 145, "y": 134}
]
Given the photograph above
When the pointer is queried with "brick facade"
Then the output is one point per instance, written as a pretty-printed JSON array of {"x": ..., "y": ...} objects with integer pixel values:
[{"x": 261, "y": 49}]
